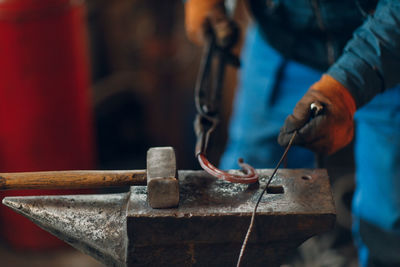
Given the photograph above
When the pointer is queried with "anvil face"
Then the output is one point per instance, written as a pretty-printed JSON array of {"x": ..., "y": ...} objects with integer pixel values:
[{"x": 207, "y": 229}]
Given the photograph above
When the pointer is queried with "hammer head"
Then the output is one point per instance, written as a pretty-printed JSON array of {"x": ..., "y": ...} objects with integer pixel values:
[{"x": 162, "y": 184}]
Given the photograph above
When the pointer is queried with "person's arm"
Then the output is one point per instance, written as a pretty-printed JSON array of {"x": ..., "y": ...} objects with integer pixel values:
[
  {"x": 196, "y": 13},
  {"x": 371, "y": 60},
  {"x": 369, "y": 65},
  {"x": 201, "y": 15}
]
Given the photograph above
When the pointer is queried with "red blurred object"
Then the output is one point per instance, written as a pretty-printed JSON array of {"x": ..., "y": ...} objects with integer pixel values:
[{"x": 45, "y": 112}]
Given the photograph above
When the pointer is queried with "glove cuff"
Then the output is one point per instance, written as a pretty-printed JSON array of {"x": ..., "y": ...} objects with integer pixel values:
[
  {"x": 196, "y": 12},
  {"x": 335, "y": 91}
]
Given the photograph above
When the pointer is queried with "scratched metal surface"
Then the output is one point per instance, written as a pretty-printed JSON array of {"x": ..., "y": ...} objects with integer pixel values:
[
  {"x": 94, "y": 224},
  {"x": 213, "y": 215},
  {"x": 305, "y": 191},
  {"x": 206, "y": 229}
]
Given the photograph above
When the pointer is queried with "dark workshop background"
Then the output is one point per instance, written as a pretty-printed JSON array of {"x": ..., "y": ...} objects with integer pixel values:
[
  {"x": 143, "y": 75},
  {"x": 144, "y": 71}
]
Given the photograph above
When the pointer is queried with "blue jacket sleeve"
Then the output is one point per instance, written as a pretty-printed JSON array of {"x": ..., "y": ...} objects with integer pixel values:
[{"x": 370, "y": 62}]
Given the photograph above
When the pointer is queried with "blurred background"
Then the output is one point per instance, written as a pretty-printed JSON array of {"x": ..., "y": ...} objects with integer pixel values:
[
  {"x": 92, "y": 85},
  {"x": 143, "y": 72}
]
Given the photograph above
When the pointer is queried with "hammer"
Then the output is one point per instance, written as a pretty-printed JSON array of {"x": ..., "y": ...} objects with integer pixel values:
[{"x": 160, "y": 177}]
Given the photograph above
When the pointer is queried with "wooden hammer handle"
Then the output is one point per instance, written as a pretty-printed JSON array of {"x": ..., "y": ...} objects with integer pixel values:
[{"x": 70, "y": 179}]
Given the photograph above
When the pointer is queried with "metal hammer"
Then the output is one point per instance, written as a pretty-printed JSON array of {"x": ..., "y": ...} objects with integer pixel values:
[
  {"x": 160, "y": 177},
  {"x": 162, "y": 185}
]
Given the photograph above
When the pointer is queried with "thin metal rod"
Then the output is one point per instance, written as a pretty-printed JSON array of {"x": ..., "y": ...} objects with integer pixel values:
[{"x": 251, "y": 225}]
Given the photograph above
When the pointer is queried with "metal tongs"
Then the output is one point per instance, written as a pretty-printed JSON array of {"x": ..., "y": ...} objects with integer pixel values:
[{"x": 207, "y": 100}]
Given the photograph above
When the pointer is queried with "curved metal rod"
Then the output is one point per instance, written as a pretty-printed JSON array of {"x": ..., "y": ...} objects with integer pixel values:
[{"x": 249, "y": 177}]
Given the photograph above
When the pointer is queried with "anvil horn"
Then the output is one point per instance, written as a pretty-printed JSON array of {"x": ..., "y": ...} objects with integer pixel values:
[{"x": 93, "y": 224}]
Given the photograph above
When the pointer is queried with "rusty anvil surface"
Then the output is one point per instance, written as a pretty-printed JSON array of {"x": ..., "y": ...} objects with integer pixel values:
[{"x": 207, "y": 229}]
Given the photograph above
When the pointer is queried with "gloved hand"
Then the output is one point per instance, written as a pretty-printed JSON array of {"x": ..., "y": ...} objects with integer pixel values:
[
  {"x": 202, "y": 14},
  {"x": 329, "y": 131}
]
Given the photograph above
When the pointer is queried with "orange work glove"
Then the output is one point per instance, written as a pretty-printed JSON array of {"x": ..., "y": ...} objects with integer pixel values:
[
  {"x": 329, "y": 131},
  {"x": 201, "y": 14}
]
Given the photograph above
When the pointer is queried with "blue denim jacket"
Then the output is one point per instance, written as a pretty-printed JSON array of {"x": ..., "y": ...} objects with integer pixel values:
[
  {"x": 370, "y": 62},
  {"x": 356, "y": 41}
]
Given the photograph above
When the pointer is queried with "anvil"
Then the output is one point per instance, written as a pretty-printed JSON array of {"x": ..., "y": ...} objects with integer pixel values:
[{"x": 207, "y": 229}]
